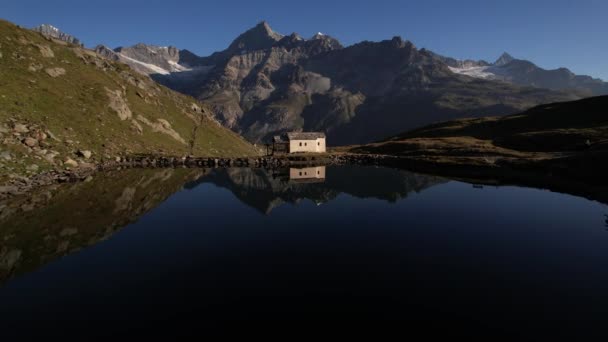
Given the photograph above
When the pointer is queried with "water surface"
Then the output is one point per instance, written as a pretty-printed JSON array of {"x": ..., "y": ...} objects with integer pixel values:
[{"x": 351, "y": 244}]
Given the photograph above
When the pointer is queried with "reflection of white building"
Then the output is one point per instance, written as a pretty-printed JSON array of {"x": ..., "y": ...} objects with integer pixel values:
[
  {"x": 299, "y": 142},
  {"x": 307, "y": 174}
]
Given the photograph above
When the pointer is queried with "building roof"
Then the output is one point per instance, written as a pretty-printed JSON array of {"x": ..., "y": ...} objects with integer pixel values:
[
  {"x": 286, "y": 137},
  {"x": 305, "y": 135}
]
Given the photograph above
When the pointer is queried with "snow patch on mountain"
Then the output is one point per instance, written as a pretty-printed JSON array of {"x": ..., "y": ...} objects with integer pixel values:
[
  {"x": 153, "y": 68},
  {"x": 484, "y": 72},
  {"x": 176, "y": 67}
]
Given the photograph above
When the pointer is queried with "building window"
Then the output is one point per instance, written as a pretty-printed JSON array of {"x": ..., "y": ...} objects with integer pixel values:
[
  {"x": 300, "y": 173},
  {"x": 305, "y": 144},
  {"x": 300, "y": 144},
  {"x": 318, "y": 143},
  {"x": 318, "y": 172}
]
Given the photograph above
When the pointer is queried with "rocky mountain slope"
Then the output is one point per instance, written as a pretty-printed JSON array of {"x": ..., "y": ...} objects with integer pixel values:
[
  {"x": 64, "y": 106},
  {"x": 266, "y": 83},
  {"x": 150, "y": 59},
  {"x": 525, "y": 73}
]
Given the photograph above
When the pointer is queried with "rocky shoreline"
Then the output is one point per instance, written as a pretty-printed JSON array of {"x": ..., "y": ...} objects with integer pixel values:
[
  {"x": 542, "y": 174},
  {"x": 23, "y": 184}
]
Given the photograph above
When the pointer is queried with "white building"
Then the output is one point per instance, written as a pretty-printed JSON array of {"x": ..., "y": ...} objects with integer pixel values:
[{"x": 299, "y": 142}]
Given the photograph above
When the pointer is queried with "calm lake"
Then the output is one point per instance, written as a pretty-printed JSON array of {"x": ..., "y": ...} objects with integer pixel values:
[{"x": 336, "y": 245}]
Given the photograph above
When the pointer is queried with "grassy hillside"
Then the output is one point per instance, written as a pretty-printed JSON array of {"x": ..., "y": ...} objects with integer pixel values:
[
  {"x": 58, "y": 99},
  {"x": 558, "y": 128},
  {"x": 562, "y": 147}
]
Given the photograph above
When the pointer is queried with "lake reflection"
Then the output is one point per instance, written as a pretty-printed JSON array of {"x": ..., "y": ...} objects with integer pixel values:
[{"x": 358, "y": 244}]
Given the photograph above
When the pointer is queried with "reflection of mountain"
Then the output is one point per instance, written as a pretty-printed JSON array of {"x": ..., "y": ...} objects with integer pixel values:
[
  {"x": 55, "y": 221},
  {"x": 266, "y": 190}
]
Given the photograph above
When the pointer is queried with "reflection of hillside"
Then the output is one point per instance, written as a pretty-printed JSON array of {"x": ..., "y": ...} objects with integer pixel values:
[
  {"x": 265, "y": 190},
  {"x": 61, "y": 219}
]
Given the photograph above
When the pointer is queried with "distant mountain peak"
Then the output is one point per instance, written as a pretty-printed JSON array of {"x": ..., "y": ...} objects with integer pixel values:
[
  {"x": 325, "y": 41},
  {"x": 106, "y": 52},
  {"x": 296, "y": 36},
  {"x": 263, "y": 27},
  {"x": 52, "y": 31},
  {"x": 258, "y": 37},
  {"x": 399, "y": 43},
  {"x": 322, "y": 36},
  {"x": 47, "y": 27},
  {"x": 504, "y": 59}
]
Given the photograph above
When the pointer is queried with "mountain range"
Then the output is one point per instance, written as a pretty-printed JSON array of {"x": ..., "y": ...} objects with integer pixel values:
[
  {"x": 525, "y": 73},
  {"x": 267, "y": 83}
]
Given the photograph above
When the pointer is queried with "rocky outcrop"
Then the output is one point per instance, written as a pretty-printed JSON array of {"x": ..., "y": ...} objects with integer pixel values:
[
  {"x": 51, "y": 31},
  {"x": 119, "y": 104},
  {"x": 45, "y": 51},
  {"x": 55, "y": 72},
  {"x": 162, "y": 126}
]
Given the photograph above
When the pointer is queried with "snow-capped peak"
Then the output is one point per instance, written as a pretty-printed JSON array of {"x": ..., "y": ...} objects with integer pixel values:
[{"x": 319, "y": 35}]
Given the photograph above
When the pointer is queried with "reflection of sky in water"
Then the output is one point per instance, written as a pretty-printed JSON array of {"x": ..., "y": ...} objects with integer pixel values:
[{"x": 452, "y": 254}]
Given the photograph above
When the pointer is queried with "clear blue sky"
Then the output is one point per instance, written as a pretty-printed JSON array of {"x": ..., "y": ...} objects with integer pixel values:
[{"x": 552, "y": 33}]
